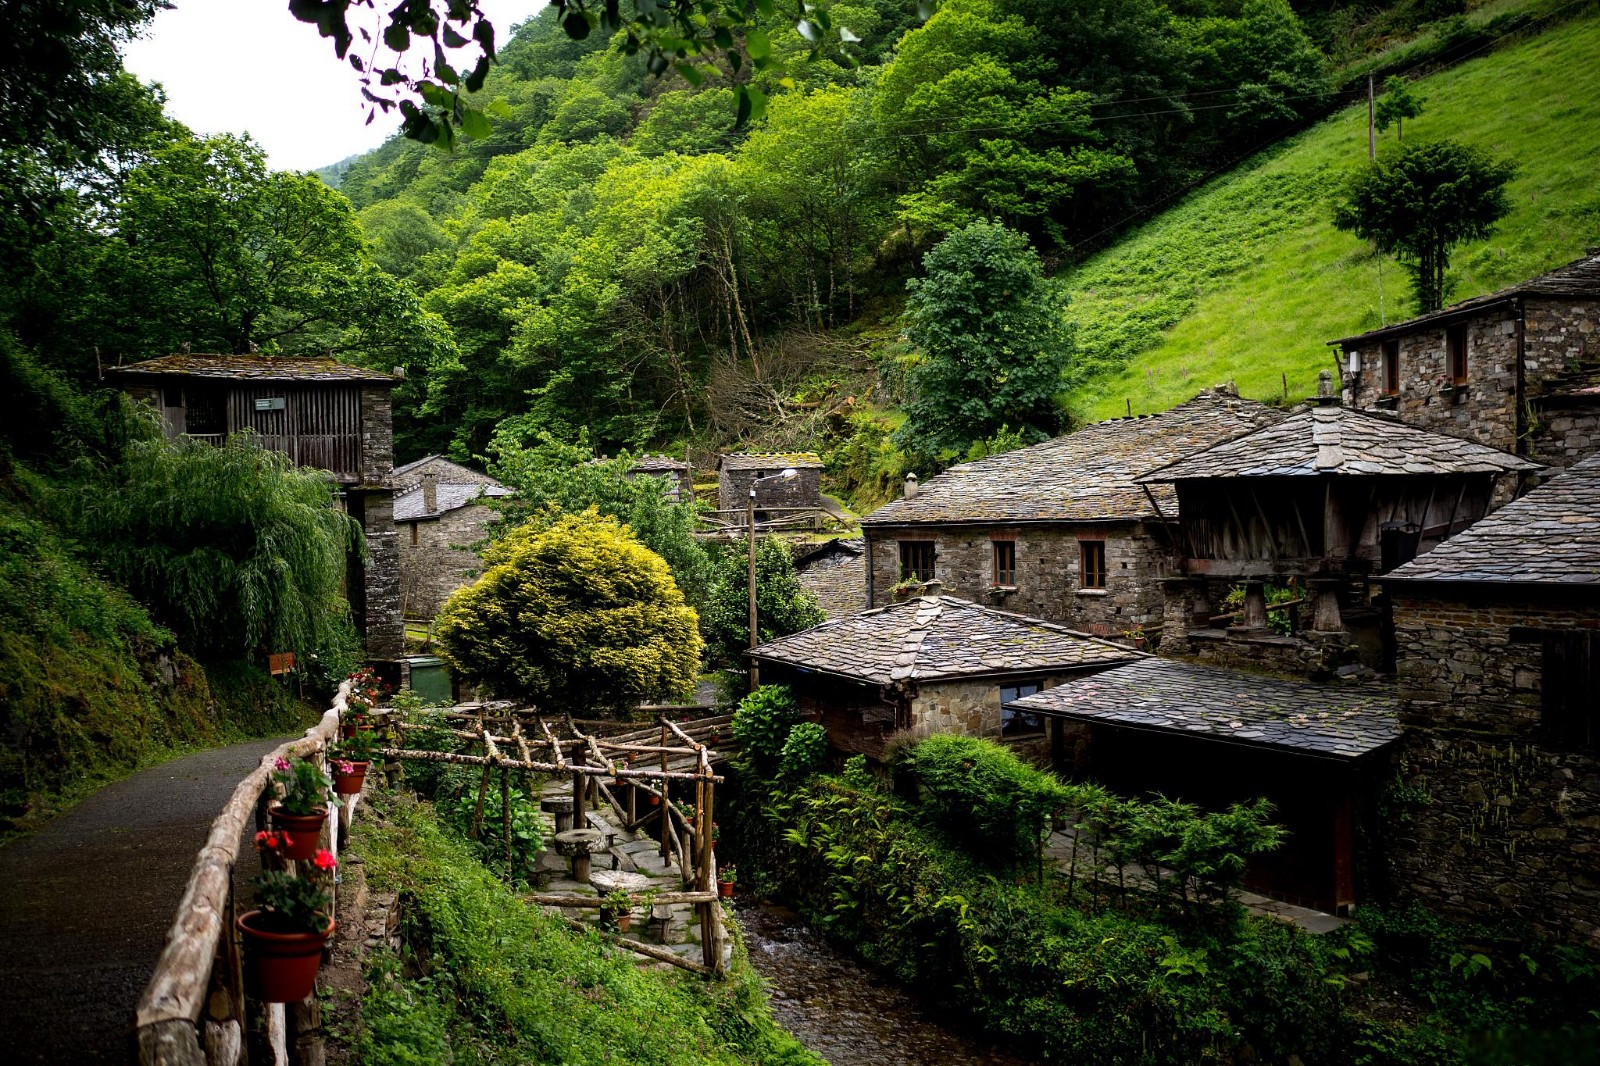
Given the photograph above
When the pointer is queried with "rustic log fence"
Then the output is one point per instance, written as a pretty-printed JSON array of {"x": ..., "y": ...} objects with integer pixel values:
[
  {"x": 196, "y": 1010},
  {"x": 652, "y": 762}
]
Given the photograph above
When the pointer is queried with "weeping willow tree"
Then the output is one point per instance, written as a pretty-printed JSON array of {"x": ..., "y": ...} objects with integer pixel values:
[{"x": 234, "y": 549}]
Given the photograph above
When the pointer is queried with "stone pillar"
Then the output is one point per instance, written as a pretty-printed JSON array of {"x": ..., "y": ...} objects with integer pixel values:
[
  {"x": 1325, "y": 617},
  {"x": 1255, "y": 606},
  {"x": 385, "y": 631}
]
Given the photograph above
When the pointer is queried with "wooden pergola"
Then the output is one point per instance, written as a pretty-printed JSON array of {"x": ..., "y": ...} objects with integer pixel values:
[{"x": 601, "y": 759}]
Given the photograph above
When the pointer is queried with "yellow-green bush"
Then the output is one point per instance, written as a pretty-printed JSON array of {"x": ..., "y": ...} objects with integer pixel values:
[{"x": 578, "y": 615}]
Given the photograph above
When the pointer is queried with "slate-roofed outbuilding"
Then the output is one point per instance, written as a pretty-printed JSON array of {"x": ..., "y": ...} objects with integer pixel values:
[
  {"x": 1086, "y": 476},
  {"x": 412, "y": 505},
  {"x": 1336, "y": 721},
  {"x": 936, "y": 638},
  {"x": 773, "y": 461},
  {"x": 1334, "y": 440},
  {"x": 1549, "y": 537}
]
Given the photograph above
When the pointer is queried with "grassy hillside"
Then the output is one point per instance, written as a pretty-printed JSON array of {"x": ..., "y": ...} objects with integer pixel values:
[{"x": 1247, "y": 279}]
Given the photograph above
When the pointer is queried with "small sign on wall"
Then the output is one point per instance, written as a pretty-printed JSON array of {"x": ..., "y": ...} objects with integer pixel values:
[
  {"x": 281, "y": 663},
  {"x": 271, "y": 403}
]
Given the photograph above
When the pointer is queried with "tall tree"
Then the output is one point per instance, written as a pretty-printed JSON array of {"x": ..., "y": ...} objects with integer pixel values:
[
  {"x": 991, "y": 343},
  {"x": 1422, "y": 200}
]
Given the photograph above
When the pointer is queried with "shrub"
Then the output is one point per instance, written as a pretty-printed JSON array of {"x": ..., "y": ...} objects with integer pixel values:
[
  {"x": 805, "y": 751},
  {"x": 578, "y": 616},
  {"x": 783, "y": 605},
  {"x": 761, "y": 725}
]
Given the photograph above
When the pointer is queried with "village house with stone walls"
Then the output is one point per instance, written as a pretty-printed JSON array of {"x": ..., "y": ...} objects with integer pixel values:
[
  {"x": 1518, "y": 369},
  {"x": 933, "y": 664},
  {"x": 678, "y": 474},
  {"x": 1499, "y": 675},
  {"x": 442, "y": 512},
  {"x": 737, "y": 470},
  {"x": 321, "y": 414},
  {"x": 1062, "y": 530},
  {"x": 1323, "y": 502}
]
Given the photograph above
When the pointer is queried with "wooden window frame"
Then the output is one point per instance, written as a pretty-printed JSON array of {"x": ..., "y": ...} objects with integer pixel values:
[
  {"x": 1020, "y": 723},
  {"x": 1456, "y": 353},
  {"x": 1092, "y": 570},
  {"x": 1003, "y": 554},
  {"x": 910, "y": 548},
  {"x": 1389, "y": 368},
  {"x": 414, "y": 534}
]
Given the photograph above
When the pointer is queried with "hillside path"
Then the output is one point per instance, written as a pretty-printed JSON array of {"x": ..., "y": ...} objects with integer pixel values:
[{"x": 86, "y": 902}]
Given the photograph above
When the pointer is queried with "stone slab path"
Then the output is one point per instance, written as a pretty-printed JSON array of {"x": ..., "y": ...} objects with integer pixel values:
[{"x": 86, "y": 902}]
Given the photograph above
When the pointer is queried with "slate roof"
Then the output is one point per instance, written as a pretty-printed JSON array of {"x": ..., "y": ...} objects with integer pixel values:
[
  {"x": 1551, "y": 536},
  {"x": 770, "y": 461},
  {"x": 652, "y": 464},
  {"x": 1334, "y": 720},
  {"x": 1338, "y": 440},
  {"x": 1085, "y": 476},
  {"x": 408, "y": 505},
  {"x": 937, "y": 637},
  {"x": 1578, "y": 279},
  {"x": 254, "y": 368}
]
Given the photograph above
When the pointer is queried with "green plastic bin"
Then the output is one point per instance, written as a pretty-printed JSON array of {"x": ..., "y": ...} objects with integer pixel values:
[{"x": 430, "y": 678}]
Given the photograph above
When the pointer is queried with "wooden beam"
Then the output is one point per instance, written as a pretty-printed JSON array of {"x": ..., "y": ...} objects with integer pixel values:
[{"x": 648, "y": 950}]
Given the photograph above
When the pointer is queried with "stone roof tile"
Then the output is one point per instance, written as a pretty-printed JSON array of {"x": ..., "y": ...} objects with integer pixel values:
[
  {"x": 1338, "y": 440},
  {"x": 936, "y": 637},
  {"x": 1084, "y": 476},
  {"x": 1549, "y": 536},
  {"x": 769, "y": 460},
  {"x": 1337, "y": 720},
  {"x": 254, "y": 368}
]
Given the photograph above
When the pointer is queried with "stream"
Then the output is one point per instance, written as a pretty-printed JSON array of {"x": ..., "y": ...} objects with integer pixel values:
[{"x": 842, "y": 1009}]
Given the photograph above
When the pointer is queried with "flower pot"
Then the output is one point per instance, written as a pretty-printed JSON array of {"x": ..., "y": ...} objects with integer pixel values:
[
  {"x": 348, "y": 732},
  {"x": 349, "y": 784},
  {"x": 655, "y": 801},
  {"x": 305, "y": 831},
  {"x": 725, "y": 889},
  {"x": 284, "y": 965},
  {"x": 624, "y": 922}
]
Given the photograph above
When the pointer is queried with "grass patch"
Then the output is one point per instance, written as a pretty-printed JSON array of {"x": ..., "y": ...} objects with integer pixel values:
[
  {"x": 1247, "y": 279},
  {"x": 497, "y": 981}
]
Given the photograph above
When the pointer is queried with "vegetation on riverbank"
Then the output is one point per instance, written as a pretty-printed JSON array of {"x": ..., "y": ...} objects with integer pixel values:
[
  {"x": 1078, "y": 967},
  {"x": 490, "y": 979}
]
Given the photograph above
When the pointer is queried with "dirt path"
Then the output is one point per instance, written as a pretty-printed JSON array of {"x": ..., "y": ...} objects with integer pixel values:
[{"x": 86, "y": 902}]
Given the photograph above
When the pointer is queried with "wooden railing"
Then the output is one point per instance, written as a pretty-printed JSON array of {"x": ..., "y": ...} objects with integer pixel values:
[{"x": 196, "y": 1009}]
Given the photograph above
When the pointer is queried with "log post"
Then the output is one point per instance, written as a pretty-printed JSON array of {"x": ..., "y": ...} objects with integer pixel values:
[
  {"x": 505, "y": 820},
  {"x": 483, "y": 791},
  {"x": 305, "y": 1041},
  {"x": 1325, "y": 616},
  {"x": 1255, "y": 606}
]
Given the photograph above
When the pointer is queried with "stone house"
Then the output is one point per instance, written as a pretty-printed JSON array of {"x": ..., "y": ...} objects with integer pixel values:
[
  {"x": 1214, "y": 737},
  {"x": 321, "y": 414},
  {"x": 441, "y": 513},
  {"x": 1499, "y": 672},
  {"x": 1062, "y": 530},
  {"x": 736, "y": 471},
  {"x": 1323, "y": 502},
  {"x": 680, "y": 480},
  {"x": 835, "y": 573},
  {"x": 1518, "y": 369},
  {"x": 933, "y": 664}
]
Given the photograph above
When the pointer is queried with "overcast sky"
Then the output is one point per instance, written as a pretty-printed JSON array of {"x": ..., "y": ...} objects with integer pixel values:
[{"x": 237, "y": 66}]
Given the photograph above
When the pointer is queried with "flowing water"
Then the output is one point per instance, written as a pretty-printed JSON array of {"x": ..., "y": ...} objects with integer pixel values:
[{"x": 843, "y": 1010}]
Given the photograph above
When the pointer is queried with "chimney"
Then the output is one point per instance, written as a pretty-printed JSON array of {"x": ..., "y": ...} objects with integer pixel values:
[
  {"x": 911, "y": 487},
  {"x": 430, "y": 492},
  {"x": 1325, "y": 394}
]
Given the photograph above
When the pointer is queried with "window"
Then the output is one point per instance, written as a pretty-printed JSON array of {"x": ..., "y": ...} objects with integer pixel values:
[
  {"x": 1092, "y": 573},
  {"x": 1018, "y": 723},
  {"x": 413, "y": 534},
  {"x": 172, "y": 396},
  {"x": 1455, "y": 346},
  {"x": 1391, "y": 368},
  {"x": 916, "y": 560},
  {"x": 1005, "y": 562},
  {"x": 1570, "y": 690}
]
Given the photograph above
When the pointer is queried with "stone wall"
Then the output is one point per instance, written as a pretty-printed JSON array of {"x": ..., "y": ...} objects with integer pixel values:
[
  {"x": 377, "y": 435},
  {"x": 1048, "y": 582},
  {"x": 1558, "y": 334},
  {"x": 442, "y": 558},
  {"x": 385, "y": 630},
  {"x": 972, "y": 709},
  {"x": 838, "y": 580},
  {"x": 1187, "y": 633},
  {"x": 1565, "y": 431},
  {"x": 1490, "y": 822},
  {"x": 444, "y": 471},
  {"x": 803, "y": 490}
]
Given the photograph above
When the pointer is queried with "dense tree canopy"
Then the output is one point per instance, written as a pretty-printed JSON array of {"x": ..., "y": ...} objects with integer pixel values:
[
  {"x": 575, "y": 616},
  {"x": 991, "y": 346},
  {"x": 1420, "y": 201}
]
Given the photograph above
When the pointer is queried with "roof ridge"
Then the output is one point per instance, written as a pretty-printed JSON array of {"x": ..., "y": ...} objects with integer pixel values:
[{"x": 929, "y": 608}]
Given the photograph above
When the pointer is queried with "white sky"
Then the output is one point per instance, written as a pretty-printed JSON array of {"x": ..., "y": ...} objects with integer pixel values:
[{"x": 248, "y": 66}]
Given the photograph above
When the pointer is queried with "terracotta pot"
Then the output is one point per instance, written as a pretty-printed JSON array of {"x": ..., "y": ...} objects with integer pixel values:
[
  {"x": 725, "y": 889},
  {"x": 349, "y": 784},
  {"x": 624, "y": 922},
  {"x": 346, "y": 732},
  {"x": 655, "y": 801},
  {"x": 305, "y": 831},
  {"x": 283, "y": 966}
]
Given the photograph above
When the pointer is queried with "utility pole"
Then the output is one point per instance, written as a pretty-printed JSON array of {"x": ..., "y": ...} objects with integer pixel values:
[{"x": 1372, "y": 119}]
